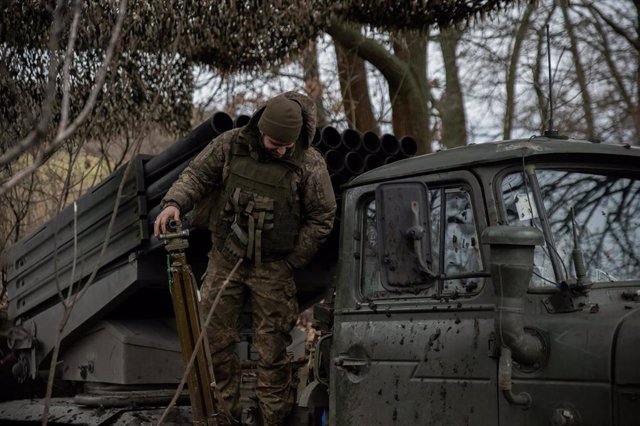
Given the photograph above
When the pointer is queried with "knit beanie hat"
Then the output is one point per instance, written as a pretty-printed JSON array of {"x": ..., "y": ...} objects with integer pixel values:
[{"x": 281, "y": 120}]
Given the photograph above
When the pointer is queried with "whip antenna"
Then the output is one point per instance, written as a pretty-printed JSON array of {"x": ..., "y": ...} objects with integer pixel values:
[{"x": 550, "y": 132}]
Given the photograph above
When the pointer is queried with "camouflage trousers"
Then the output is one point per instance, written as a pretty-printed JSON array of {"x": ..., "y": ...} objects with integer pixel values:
[{"x": 272, "y": 293}]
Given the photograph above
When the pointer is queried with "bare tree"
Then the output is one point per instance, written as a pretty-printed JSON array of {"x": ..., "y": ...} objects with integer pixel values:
[
  {"x": 515, "y": 53},
  {"x": 451, "y": 105},
  {"x": 312, "y": 83},
  {"x": 406, "y": 89},
  {"x": 409, "y": 118},
  {"x": 594, "y": 70},
  {"x": 616, "y": 37},
  {"x": 355, "y": 89},
  {"x": 581, "y": 77},
  {"x": 66, "y": 127}
]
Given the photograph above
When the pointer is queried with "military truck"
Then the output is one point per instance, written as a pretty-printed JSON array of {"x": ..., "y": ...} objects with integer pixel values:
[{"x": 492, "y": 284}]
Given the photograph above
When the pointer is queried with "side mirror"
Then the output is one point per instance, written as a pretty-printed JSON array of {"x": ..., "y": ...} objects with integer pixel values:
[{"x": 404, "y": 235}]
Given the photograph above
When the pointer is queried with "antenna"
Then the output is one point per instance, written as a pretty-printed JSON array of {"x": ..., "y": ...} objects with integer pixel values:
[
  {"x": 578, "y": 256},
  {"x": 550, "y": 132}
]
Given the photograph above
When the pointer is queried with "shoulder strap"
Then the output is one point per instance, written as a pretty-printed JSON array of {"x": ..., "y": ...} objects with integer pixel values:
[{"x": 238, "y": 148}]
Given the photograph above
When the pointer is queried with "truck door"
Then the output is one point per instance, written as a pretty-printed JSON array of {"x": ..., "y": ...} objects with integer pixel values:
[{"x": 418, "y": 351}]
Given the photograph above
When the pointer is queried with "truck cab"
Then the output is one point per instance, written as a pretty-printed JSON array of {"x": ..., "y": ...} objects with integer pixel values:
[
  {"x": 431, "y": 327},
  {"x": 492, "y": 284}
]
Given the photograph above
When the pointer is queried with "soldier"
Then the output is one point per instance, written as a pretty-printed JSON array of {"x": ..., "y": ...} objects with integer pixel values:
[{"x": 267, "y": 198}]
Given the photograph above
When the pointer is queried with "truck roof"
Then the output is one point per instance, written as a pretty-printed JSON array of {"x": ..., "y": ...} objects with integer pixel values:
[{"x": 495, "y": 152}]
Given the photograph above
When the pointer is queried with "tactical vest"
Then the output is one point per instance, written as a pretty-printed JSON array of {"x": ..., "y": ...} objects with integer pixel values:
[{"x": 258, "y": 216}]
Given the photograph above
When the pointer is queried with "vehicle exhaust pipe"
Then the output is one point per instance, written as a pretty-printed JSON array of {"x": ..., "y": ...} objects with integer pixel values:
[
  {"x": 511, "y": 262},
  {"x": 511, "y": 251}
]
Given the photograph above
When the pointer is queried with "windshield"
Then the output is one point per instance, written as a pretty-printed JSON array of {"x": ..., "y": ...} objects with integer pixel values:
[{"x": 607, "y": 222}]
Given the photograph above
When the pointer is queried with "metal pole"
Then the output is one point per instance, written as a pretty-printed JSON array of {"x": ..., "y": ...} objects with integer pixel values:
[{"x": 185, "y": 306}]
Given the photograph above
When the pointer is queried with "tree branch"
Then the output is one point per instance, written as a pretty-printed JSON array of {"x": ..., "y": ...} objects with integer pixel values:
[
  {"x": 520, "y": 35},
  {"x": 100, "y": 76},
  {"x": 390, "y": 66},
  {"x": 64, "y": 112},
  {"x": 46, "y": 112},
  {"x": 64, "y": 133},
  {"x": 615, "y": 27}
]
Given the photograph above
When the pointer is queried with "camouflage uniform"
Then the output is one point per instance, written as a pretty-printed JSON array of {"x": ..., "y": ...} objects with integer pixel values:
[{"x": 269, "y": 285}]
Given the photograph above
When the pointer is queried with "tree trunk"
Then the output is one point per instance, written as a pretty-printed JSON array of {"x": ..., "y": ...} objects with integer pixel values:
[
  {"x": 521, "y": 33},
  {"x": 411, "y": 48},
  {"x": 355, "y": 89},
  {"x": 580, "y": 73},
  {"x": 400, "y": 78},
  {"x": 312, "y": 84},
  {"x": 454, "y": 122}
]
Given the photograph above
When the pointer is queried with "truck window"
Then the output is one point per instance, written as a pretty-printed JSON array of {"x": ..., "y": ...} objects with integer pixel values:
[
  {"x": 606, "y": 216},
  {"x": 454, "y": 244}
]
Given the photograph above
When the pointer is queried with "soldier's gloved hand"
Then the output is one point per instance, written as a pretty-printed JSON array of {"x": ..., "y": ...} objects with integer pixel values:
[{"x": 167, "y": 214}]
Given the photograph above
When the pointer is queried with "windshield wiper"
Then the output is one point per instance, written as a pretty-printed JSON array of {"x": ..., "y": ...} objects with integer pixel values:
[{"x": 556, "y": 261}]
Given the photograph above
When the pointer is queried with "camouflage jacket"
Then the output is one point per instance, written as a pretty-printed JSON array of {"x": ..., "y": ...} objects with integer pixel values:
[{"x": 201, "y": 184}]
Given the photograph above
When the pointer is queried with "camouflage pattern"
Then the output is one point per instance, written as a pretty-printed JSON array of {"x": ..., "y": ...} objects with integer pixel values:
[
  {"x": 269, "y": 287},
  {"x": 275, "y": 310},
  {"x": 201, "y": 183}
]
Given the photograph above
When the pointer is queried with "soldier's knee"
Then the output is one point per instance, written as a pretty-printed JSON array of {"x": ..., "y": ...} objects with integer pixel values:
[
  {"x": 272, "y": 347},
  {"x": 222, "y": 341}
]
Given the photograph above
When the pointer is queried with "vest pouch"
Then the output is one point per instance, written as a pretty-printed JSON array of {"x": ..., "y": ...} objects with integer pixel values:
[
  {"x": 233, "y": 248},
  {"x": 253, "y": 216},
  {"x": 265, "y": 206}
]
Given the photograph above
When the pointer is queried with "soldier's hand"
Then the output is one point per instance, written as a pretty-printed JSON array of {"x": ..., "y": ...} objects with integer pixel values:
[{"x": 167, "y": 214}]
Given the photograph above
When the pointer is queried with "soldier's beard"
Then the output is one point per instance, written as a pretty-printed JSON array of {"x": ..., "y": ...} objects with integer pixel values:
[{"x": 274, "y": 153}]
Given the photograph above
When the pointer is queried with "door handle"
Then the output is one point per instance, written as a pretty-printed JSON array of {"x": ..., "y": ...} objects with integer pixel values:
[{"x": 352, "y": 365}]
